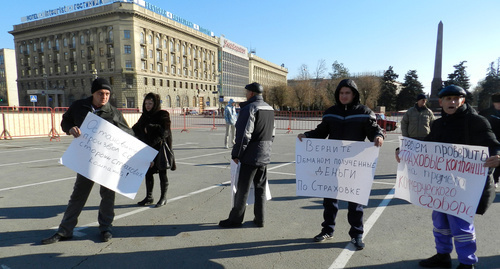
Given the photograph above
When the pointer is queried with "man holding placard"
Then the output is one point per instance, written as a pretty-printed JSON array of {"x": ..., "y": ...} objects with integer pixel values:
[
  {"x": 347, "y": 120},
  {"x": 71, "y": 122},
  {"x": 459, "y": 124}
]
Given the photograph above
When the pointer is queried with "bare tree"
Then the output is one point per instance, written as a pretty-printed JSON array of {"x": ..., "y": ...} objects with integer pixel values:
[
  {"x": 279, "y": 96},
  {"x": 369, "y": 90}
]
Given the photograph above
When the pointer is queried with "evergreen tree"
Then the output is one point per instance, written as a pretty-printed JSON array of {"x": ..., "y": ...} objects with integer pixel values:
[
  {"x": 411, "y": 88},
  {"x": 490, "y": 85},
  {"x": 460, "y": 78},
  {"x": 388, "y": 90}
]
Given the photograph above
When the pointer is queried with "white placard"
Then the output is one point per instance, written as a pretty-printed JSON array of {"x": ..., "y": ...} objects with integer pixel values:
[
  {"x": 448, "y": 178},
  {"x": 235, "y": 172},
  {"x": 336, "y": 169},
  {"x": 109, "y": 156}
]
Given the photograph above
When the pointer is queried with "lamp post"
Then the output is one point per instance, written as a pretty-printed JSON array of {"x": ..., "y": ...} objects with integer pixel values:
[
  {"x": 46, "y": 90},
  {"x": 94, "y": 74}
]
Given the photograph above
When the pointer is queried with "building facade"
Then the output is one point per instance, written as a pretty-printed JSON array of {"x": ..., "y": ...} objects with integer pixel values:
[
  {"x": 234, "y": 70},
  {"x": 8, "y": 77},
  {"x": 266, "y": 73},
  {"x": 138, "y": 48}
]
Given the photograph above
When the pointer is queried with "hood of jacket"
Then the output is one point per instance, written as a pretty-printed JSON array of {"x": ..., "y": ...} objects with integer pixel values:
[{"x": 352, "y": 85}]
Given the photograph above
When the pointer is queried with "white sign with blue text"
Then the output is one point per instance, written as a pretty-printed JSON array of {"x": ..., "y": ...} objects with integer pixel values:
[
  {"x": 336, "y": 169},
  {"x": 109, "y": 156}
]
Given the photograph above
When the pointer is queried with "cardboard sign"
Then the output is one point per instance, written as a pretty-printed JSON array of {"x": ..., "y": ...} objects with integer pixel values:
[
  {"x": 109, "y": 156},
  {"x": 336, "y": 169},
  {"x": 448, "y": 178}
]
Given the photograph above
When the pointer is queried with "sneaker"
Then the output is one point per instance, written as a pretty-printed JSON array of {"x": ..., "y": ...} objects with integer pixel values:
[
  {"x": 438, "y": 260},
  {"x": 358, "y": 242},
  {"x": 322, "y": 237},
  {"x": 465, "y": 266},
  {"x": 229, "y": 224},
  {"x": 106, "y": 236}
]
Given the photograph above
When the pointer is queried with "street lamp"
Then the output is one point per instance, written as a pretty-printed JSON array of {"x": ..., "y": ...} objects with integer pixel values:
[{"x": 94, "y": 73}]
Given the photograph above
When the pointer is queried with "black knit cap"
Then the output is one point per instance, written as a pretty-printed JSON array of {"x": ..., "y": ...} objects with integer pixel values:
[
  {"x": 421, "y": 96},
  {"x": 99, "y": 84},
  {"x": 255, "y": 87},
  {"x": 495, "y": 98}
]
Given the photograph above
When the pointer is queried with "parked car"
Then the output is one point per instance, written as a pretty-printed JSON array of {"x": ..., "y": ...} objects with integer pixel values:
[{"x": 388, "y": 125}]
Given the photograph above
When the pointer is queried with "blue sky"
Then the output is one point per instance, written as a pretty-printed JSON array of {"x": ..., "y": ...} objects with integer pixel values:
[{"x": 364, "y": 35}]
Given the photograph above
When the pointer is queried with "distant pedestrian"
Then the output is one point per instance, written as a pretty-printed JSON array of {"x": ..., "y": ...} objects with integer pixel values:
[
  {"x": 417, "y": 121},
  {"x": 153, "y": 128},
  {"x": 71, "y": 122},
  {"x": 254, "y": 138},
  {"x": 346, "y": 120},
  {"x": 492, "y": 114},
  {"x": 230, "y": 117}
]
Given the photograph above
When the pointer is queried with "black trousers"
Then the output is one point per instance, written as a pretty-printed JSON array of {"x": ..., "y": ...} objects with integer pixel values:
[
  {"x": 354, "y": 217},
  {"x": 249, "y": 174}
]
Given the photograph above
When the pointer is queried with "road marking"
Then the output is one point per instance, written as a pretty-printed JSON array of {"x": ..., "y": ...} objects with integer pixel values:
[
  {"x": 35, "y": 161},
  {"x": 79, "y": 229},
  {"x": 35, "y": 184},
  {"x": 349, "y": 250}
]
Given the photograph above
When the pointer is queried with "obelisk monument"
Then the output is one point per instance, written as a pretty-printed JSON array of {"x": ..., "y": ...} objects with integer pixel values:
[{"x": 437, "y": 82}]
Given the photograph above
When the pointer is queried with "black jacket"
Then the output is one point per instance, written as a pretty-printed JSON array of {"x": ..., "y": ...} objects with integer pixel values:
[
  {"x": 76, "y": 113},
  {"x": 254, "y": 132},
  {"x": 466, "y": 127},
  {"x": 493, "y": 116},
  {"x": 353, "y": 121},
  {"x": 157, "y": 125}
]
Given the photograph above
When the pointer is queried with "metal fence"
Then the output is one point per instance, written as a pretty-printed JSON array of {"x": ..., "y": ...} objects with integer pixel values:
[{"x": 17, "y": 122}]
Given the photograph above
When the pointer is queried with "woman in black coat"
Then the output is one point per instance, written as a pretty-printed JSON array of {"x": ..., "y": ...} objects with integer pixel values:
[{"x": 153, "y": 128}]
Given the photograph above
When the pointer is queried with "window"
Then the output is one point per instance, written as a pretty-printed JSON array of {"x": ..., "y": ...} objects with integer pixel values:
[
  {"x": 168, "y": 101},
  {"x": 177, "y": 101},
  {"x": 143, "y": 52},
  {"x": 127, "y": 49},
  {"x": 150, "y": 53},
  {"x": 126, "y": 34},
  {"x": 154, "y": 81},
  {"x": 110, "y": 36},
  {"x": 142, "y": 38},
  {"x": 129, "y": 80},
  {"x": 150, "y": 39},
  {"x": 145, "y": 81},
  {"x": 82, "y": 39},
  {"x": 128, "y": 65},
  {"x": 130, "y": 102}
]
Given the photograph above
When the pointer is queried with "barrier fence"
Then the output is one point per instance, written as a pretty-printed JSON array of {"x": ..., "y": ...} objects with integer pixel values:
[{"x": 17, "y": 122}]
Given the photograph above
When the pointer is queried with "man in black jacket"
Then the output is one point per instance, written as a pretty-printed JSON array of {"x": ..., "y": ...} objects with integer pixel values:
[
  {"x": 347, "y": 120},
  {"x": 492, "y": 114},
  {"x": 71, "y": 122},
  {"x": 254, "y": 138},
  {"x": 460, "y": 124}
]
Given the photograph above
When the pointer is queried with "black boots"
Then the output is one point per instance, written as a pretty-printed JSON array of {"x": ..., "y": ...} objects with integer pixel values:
[
  {"x": 163, "y": 188},
  {"x": 149, "y": 193},
  {"x": 147, "y": 201}
]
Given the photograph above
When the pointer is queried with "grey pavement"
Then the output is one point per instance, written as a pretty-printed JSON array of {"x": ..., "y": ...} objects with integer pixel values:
[{"x": 34, "y": 191}]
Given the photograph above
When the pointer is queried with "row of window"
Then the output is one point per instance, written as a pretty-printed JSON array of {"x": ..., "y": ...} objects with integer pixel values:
[
  {"x": 181, "y": 84},
  {"x": 179, "y": 102},
  {"x": 68, "y": 42}
]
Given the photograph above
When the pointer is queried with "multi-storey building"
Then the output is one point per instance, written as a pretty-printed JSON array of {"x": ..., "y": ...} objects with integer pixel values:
[
  {"x": 8, "y": 76},
  {"x": 234, "y": 73},
  {"x": 138, "y": 48},
  {"x": 266, "y": 73}
]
